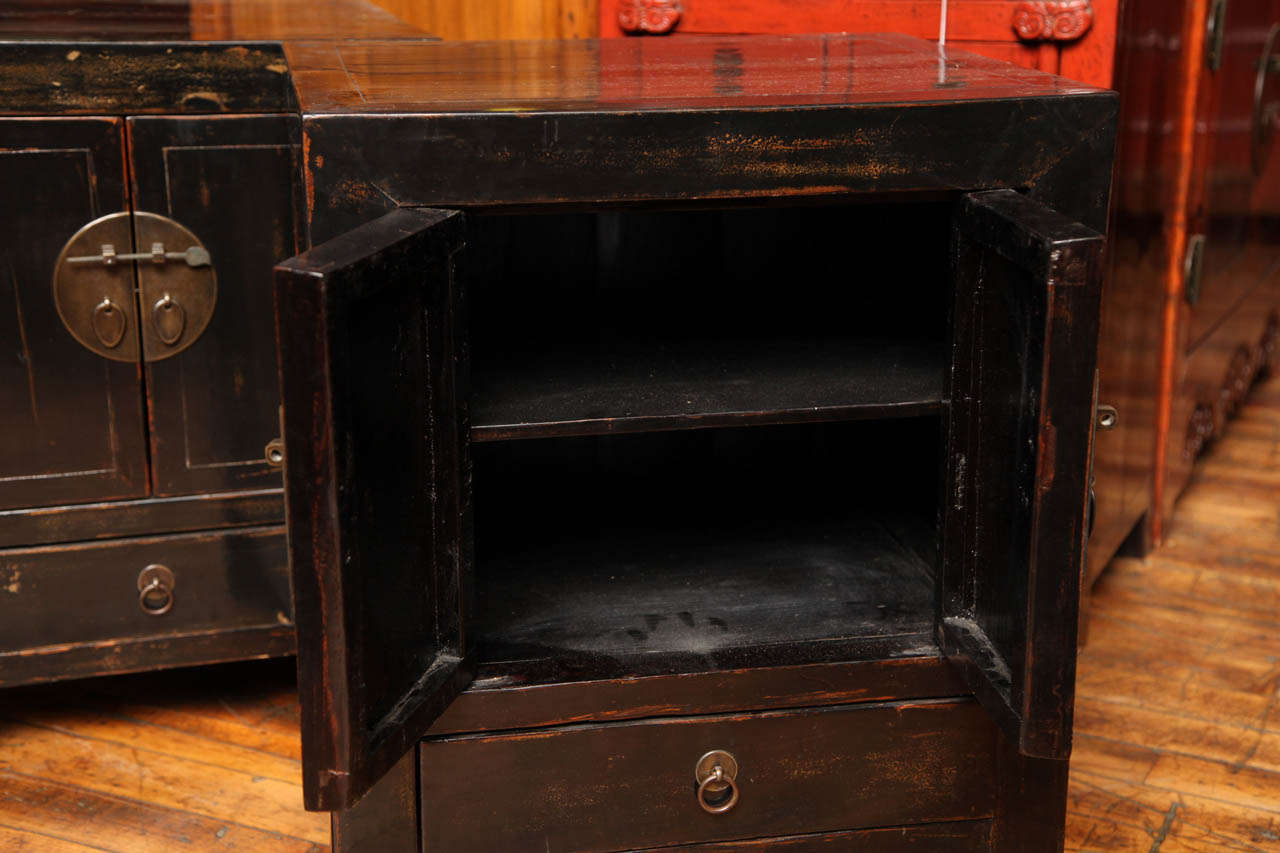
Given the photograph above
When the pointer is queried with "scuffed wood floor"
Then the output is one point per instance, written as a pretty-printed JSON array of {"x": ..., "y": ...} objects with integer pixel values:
[
  {"x": 1177, "y": 745},
  {"x": 200, "y": 759}
]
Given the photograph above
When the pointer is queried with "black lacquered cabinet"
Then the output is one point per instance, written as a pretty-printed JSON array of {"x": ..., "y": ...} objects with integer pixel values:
[
  {"x": 151, "y": 164},
  {"x": 141, "y": 522},
  {"x": 703, "y": 456},
  {"x": 151, "y": 167}
]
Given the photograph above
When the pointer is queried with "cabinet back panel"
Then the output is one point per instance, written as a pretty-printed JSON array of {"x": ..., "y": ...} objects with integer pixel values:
[
  {"x": 628, "y": 321},
  {"x": 699, "y": 542},
  {"x": 710, "y": 274}
]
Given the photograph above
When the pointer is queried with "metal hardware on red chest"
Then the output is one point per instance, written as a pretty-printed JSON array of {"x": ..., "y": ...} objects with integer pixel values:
[
  {"x": 649, "y": 16},
  {"x": 1045, "y": 20}
]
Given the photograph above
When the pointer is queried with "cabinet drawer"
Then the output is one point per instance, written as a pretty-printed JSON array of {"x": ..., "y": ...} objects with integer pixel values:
[
  {"x": 967, "y": 836},
  {"x": 632, "y": 785},
  {"x": 82, "y": 594}
]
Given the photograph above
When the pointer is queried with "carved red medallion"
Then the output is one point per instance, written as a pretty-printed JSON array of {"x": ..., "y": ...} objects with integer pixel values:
[
  {"x": 1052, "y": 20},
  {"x": 648, "y": 16}
]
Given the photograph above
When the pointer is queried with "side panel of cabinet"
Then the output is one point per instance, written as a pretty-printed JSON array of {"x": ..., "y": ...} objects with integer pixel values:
[
  {"x": 71, "y": 423},
  {"x": 1225, "y": 334},
  {"x": 1141, "y": 243},
  {"x": 1241, "y": 173},
  {"x": 235, "y": 183}
]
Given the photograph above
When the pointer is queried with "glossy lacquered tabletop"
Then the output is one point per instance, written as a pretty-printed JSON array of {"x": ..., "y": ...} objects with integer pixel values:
[
  {"x": 683, "y": 72},
  {"x": 198, "y": 20}
]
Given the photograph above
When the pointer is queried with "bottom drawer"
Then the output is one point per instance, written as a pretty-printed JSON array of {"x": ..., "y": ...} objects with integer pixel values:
[
  {"x": 967, "y": 836},
  {"x": 80, "y": 604},
  {"x": 632, "y": 785}
]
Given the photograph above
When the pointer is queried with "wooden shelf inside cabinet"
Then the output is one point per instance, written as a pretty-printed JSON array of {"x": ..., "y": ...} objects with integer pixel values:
[
  {"x": 689, "y": 385},
  {"x": 694, "y": 594}
]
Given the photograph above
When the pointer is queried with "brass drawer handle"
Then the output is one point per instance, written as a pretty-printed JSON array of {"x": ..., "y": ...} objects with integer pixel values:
[
  {"x": 716, "y": 774},
  {"x": 155, "y": 589}
]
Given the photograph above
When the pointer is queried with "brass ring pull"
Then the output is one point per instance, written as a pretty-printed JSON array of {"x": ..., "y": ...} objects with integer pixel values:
[
  {"x": 155, "y": 589},
  {"x": 716, "y": 773},
  {"x": 717, "y": 777}
]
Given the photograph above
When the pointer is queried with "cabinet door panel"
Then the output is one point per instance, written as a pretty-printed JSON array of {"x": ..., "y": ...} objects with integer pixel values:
[
  {"x": 1020, "y": 428},
  {"x": 377, "y": 492},
  {"x": 235, "y": 183},
  {"x": 71, "y": 423}
]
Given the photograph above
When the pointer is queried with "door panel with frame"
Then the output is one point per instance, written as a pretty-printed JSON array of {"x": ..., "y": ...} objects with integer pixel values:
[
  {"x": 377, "y": 492},
  {"x": 235, "y": 183},
  {"x": 71, "y": 421},
  {"x": 1019, "y": 435}
]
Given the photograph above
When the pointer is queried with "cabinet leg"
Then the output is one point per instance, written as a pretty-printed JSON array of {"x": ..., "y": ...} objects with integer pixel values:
[
  {"x": 1139, "y": 543},
  {"x": 386, "y": 818},
  {"x": 1031, "y": 810}
]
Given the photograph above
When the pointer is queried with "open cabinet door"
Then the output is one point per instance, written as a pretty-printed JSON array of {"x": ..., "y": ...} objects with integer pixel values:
[
  {"x": 377, "y": 492},
  {"x": 1019, "y": 429}
]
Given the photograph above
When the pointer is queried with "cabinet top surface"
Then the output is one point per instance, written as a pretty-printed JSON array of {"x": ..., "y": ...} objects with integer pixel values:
[
  {"x": 198, "y": 20},
  {"x": 688, "y": 72}
]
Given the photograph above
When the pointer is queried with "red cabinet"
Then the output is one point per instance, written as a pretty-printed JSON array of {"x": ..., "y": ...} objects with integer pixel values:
[{"x": 1075, "y": 38}]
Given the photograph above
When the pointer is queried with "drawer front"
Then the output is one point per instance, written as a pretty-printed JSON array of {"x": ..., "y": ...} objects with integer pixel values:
[
  {"x": 969, "y": 836},
  {"x": 79, "y": 594},
  {"x": 632, "y": 785}
]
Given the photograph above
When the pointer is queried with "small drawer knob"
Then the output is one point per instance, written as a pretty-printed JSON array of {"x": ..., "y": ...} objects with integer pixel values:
[
  {"x": 716, "y": 774},
  {"x": 155, "y": 589}
]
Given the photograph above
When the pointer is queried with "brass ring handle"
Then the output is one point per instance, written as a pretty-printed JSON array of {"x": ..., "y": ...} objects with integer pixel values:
[
  {"x": 155, "y": 589},
  {"x": 715, "y": 773},
  {"x": 145, "y": 598},
  {"x": 718, "y": 776}
]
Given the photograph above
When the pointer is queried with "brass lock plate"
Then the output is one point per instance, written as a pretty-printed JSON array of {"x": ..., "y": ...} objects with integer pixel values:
[
  {"x": 98, "y": 271},
  {"x": 96, "y": 302},
  {"x": 177, "y": 295}
]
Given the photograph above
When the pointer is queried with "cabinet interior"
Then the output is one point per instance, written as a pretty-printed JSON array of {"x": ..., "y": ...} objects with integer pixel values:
[{"x": 707, "y": 438}]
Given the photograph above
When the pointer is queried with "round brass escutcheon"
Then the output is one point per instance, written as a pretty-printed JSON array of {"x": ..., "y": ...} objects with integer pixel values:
[
  {"x": 716, "y": 775},
  {"x": 155, "y": 589},
  {"x": 95, "y": 300},
  {"x": 96, "y": 274}
]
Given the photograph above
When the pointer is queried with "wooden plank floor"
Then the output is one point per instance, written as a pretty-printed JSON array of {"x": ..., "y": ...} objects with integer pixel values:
[
  {"x": 199, "y": 759},
  {"x": 1177, "y": 745}
]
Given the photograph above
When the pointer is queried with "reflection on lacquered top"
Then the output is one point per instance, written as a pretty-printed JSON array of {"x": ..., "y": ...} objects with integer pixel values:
[
  {"x": 198, "y": 20},
  {"x": 650, "y": 74}
]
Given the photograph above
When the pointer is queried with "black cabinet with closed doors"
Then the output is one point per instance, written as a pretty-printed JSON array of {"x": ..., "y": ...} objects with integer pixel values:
[{"x": 140, "y": 385}]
